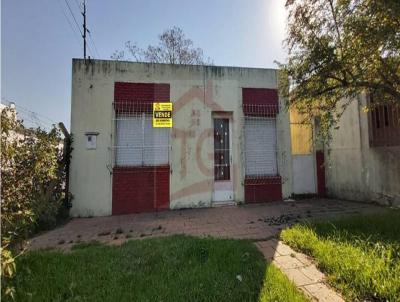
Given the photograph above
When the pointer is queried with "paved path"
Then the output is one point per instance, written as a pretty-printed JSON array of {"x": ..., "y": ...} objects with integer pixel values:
[
  {"x": 256, "y": 222},
  {"x": 260, "y": 222},
  {"x": 299, "y": 269}
]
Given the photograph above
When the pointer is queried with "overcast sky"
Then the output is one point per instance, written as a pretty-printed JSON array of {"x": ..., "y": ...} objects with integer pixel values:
[{"x": 39, "y": 39}]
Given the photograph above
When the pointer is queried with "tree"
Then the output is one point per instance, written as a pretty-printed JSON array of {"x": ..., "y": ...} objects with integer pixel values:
[
  {"x": 173, "y": 48},
  {"x": 338, "y": 49},
  {"x": 32, "y": 180}
]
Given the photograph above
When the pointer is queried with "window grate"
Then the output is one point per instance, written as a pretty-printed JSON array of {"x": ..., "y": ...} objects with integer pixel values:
[
  {"x": 260, "y": 146},
  {"x": 384, "y": 125},
  {"x": 136, "y": 142}
]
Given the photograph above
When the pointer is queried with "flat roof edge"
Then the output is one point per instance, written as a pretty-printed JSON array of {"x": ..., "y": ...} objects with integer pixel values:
[{"x": 167, "y": 64}]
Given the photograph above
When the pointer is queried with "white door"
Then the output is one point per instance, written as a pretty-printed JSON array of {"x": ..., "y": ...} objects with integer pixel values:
[
  {"x": 304, "y": 174},
  {"x": 223, "y": 184}
]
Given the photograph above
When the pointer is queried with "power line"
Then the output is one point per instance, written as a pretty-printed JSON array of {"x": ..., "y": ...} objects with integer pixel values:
[
  {"x": 95, "y": 48},
  {"x": 82, "y": 34},
  {"x": 32, "y": 120},
  {"x": 73, "y": 16},
  {"x": 71, "y": 26},
  {"x": 85, "y": 30},
  {"x": 90, "y": 51},
  {"x": 32, "y": 116},
  {"x": 36, "y": 114}
]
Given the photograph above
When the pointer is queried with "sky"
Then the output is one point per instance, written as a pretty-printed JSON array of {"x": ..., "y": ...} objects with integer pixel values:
[{"x": 39, "y": 39}]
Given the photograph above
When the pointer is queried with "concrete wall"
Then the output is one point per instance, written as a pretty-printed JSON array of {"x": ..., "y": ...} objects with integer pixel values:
[
  {"x": 193, "y": 89},
  {"x": 356, "y": 171}
]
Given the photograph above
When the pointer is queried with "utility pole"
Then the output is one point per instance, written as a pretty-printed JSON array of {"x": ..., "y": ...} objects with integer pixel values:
[{"x": 84, "y": 29}]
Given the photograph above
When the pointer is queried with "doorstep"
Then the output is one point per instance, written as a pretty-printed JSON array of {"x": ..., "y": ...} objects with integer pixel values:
[{"x": 219, "y": 204}]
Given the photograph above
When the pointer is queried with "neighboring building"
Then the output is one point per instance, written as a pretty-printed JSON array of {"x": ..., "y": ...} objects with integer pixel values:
[
  {"x": 230, "y": 140},
  {"x": 363, "y": 161}
]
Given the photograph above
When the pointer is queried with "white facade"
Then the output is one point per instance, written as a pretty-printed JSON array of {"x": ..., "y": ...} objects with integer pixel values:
[
  {"x": 354, "y": 169},
  {"x": 198, "y": 92}
]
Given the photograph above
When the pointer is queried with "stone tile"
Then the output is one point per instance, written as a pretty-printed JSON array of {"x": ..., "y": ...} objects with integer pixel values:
[
  {"x": 323, "y": 293},
  {"x": 303, "y": 259},
  {"x": 299, "y": 269},
  {"x": 297, "y": 277},
  {"x": 313, "y": 273},
  {"x": 266, "y": 243},
  {"x": 287, "y": 262},
  {"x": 268, "y": 252},
  {"x": 283, "y": 249},
  {"x": 244, "y": 222}
]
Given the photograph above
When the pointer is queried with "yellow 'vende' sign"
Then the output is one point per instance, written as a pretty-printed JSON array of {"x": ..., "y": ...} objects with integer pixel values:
[{"x": 162, "y": 115}]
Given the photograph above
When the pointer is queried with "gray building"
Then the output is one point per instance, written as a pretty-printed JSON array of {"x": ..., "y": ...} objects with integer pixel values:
[{"x": 364, "y": 159}]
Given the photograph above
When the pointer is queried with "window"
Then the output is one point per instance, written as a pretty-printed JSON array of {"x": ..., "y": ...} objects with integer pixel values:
[
  {"x": 260, "y": 146},
  {"x": 384, "y": 124},
  {"x": 221, "y": 149},
  {"x": 138, "y": 143}
]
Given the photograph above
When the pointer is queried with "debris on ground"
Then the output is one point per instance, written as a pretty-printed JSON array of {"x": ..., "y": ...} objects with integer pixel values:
[
  {"x": 105, "y": 233},
  {"x": 281, "y": 219},
  {"x": 157, "y": 228}
]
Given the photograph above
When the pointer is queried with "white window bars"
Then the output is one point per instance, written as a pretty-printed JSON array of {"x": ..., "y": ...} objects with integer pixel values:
[
  {"x": 260, "y": 140},
  {"x": 136, "y": 142}
]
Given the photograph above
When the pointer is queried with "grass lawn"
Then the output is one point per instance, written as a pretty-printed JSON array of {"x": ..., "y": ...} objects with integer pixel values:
[
  {"x": 361, "y": 255},
  {"x": 176, "y": 268}
]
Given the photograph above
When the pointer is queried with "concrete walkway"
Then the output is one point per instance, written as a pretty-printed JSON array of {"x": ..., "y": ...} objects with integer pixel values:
[
  {"x": 255, "y": 222},
  {"x": 300, "y": 269}
]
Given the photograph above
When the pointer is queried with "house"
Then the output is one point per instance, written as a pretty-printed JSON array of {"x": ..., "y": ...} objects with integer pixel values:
[
  {"x": 363, "y": 159},
  {"x": 229, "y": 142}
]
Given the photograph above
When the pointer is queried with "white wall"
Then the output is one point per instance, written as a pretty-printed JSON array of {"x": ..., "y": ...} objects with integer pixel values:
[
  {"x": 195, "y": 86},
  {"x": 356, "y": 171}
]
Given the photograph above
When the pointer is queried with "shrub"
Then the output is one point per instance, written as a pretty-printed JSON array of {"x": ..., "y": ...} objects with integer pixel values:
[{"x": 32, "y": 190}]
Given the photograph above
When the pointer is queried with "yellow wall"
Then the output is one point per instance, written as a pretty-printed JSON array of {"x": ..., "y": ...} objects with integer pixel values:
[{"x": 301, "y": 133}]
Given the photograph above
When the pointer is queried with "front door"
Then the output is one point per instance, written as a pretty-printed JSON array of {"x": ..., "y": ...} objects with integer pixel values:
[{"x": 223, "y": 184}]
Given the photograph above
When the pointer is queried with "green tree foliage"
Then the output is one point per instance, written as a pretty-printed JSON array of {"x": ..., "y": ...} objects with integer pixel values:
[
  {"x": 32, "y": 180},
  {"x": 339, "y": 49}
]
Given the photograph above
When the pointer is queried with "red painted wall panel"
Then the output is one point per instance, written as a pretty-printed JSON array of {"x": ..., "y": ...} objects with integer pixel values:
[
  {"x": 253, "y": 97},
  {"x": 263, "y": 189},
  {"x": 261, "y": 102},
  {"x": 140, "y": 189},
  {"x": 139, "y": 96},
  {"x": 141, "y": 92},
  {"x": 320, "y": 159}
]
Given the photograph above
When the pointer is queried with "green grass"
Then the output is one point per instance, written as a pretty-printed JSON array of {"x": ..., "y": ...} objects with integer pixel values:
[
  {"x": 176, "y": 268},
  {"x": 361, "y": 255},
  {"x": 277, "y": 287}
]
